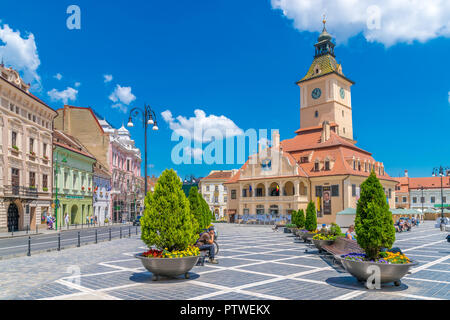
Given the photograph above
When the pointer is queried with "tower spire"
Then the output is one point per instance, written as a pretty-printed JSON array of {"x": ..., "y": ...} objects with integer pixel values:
[{"x": 324, "y": 44}]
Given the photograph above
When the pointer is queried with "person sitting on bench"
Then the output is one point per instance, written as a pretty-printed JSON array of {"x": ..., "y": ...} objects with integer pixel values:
[
  {"x": 206, "y": 243},
  {"x": 349, "y": 234}
]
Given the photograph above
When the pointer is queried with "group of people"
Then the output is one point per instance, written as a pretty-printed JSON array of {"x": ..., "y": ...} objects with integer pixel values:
[{"x": 406, "y": 224}]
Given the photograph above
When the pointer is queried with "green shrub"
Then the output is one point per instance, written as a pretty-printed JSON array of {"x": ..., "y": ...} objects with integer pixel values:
[
  {"x": 196, "y": 207},
  {"x": 294, "y": 217},
  {"x": 207, "y": 214},
  {"x": 311, "y": 218},
  {"x": 167, "y": 222},
  {"x": 335, "y": 230},
  {"x": 300, "y": 218},
  {"x": 373, "y": 222}
]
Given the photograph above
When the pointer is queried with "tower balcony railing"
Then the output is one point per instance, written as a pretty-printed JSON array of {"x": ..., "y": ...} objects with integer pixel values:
[{"x": 13, "y": 191}]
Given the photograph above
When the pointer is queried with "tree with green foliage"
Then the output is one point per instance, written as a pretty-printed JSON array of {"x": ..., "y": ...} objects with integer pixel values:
[
  {"x": 300, "y": 218},
  {"x": 207, "y": 215},
  {"x": 311, "y": 217},
  {"x": 167, "y": 222},
  {"x": 373, "y": 222},
  {"x": 196, "y": 207},
  {"x": 294, "y": 217}
]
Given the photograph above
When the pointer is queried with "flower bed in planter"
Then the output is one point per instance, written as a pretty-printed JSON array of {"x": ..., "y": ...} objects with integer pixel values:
[
  {"x": 169, "y": 264},
  {"x": 393, "y": 266},
  {"x": 321, "y": 240}
]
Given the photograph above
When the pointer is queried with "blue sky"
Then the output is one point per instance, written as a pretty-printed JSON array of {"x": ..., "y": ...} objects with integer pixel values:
[{"x": 240, "y": 60}]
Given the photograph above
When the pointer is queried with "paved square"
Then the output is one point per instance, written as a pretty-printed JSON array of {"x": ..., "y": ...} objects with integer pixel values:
[{"x": 255, "y": 263}]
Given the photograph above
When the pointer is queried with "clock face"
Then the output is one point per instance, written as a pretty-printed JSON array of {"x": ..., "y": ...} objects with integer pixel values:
[
  {"x": 317, "y": 93},
  {"x": 342, "y": 93}
]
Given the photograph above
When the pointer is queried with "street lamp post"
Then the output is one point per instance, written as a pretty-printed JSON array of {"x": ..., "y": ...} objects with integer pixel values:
[
  {"x": 441, "y": 171},
  {"x": 422, "y": 200},
  {"x": 149, "y": 118}
]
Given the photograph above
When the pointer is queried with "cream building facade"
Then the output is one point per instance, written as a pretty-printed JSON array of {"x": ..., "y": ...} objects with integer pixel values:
[
  {"x": 215, "y": 193},
  {"x": 321, "y": 163},
  {"x": 25, "y": 155}
]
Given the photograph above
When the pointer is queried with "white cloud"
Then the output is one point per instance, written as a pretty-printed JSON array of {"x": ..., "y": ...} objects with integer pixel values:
[
  {"x": 385, "y": 21},
  {"x": 108, "y": 78},
  {"x": 121, "y": 107},
  {"x": 20, "y": 53},
  {"x": 196, "y": 153},
  {"x": 77, "y": 84},
  {"x": 70, "y": 94},
  {"x": 123, "y": 95},
  {"x": 196, "y": 127},
  {"x": 449, "y": 97},
  {"x": 58, "y": 76}
]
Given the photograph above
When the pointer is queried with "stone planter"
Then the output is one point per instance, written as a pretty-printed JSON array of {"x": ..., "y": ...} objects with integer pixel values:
[
  {"x": 307, "y": 236},
  {"x": 389, "y": 272},
  {"x": 320, "y": 243},
  {"x": 168, "y": 267}
]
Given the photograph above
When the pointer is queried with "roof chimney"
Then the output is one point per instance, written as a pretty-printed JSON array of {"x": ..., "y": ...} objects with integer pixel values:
[
  {"x": 325, "y": 131},
  {"x": 406, "y": 173}
]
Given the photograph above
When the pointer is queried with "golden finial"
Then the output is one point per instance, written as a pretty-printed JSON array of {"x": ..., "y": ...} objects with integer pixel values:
[{"x": 324, "y": 21}]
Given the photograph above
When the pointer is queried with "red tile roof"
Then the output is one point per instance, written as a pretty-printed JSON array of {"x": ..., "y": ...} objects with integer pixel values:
[
  {"x": 222, "y": 175},
  {"x": 338, "y": 150},
  {"x": 70, "y": 143},
  {"x": 429, "y": 182}
]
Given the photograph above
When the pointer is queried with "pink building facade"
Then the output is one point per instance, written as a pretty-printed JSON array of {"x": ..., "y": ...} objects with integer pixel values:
[{"x": 125, "y": 168}]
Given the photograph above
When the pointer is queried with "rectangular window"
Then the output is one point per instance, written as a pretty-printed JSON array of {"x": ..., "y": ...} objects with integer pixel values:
[
  {"x": 11, "y": 107},
  {"x": 316, "y": 166},
  {"x": 244, "y": 193},
  {"x": 128, "y": 165},
  {"x": 14, "y": 139},
  {"x": 31, "y": 145},
  {"x": 304, "y": 160},
  {"x": 44, "y": 149},
  {"x": 396, "y": 199},
  {"x": 335, "y": 191},
  {"x": 353, "y": 190},
  {"x": 233, "y": 194},
  {"x": 327, "y": 165},
  {"x": 433, "y": 199},
  {"x": 225, "y": 199},
  {"x": 32, "y": 179},
  {"x": 444, "y": 199},
  {"x": 318, "y": 191},
  {"x": 414, "y": 200},
  {"x": 422, "y": 199},
  {"x": 66, "y": 178},
  {"x": 44, "y": 181},
  {"x": 404, "y": 200}
]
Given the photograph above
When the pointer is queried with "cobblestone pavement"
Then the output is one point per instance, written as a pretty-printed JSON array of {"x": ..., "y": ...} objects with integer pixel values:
[{"x": 255, "y": 263}]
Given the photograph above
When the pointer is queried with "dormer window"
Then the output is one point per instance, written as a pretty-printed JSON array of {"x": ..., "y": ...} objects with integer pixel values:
[
  {"x": 327, "y": 165},
  {"x": 316, "y": 166}
]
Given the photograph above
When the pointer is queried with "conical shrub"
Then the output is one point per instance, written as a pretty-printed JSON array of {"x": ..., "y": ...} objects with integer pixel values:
[
  {"x": 168, "y": 222},
  {"x": 373, "y": 222}
]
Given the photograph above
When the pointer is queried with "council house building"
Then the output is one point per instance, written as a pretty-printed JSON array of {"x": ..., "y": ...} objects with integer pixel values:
[{"x": 321, "y": 163}]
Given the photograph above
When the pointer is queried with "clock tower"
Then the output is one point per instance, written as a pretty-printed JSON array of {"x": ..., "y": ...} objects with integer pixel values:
[{"x": 325, "y": 92}]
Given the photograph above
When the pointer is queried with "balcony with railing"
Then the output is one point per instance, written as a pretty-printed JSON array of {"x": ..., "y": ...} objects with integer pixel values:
[{"x": 20, "y": 192}]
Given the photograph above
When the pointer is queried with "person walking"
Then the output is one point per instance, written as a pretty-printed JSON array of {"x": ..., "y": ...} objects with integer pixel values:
[{"x": 66, "y": 220}]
